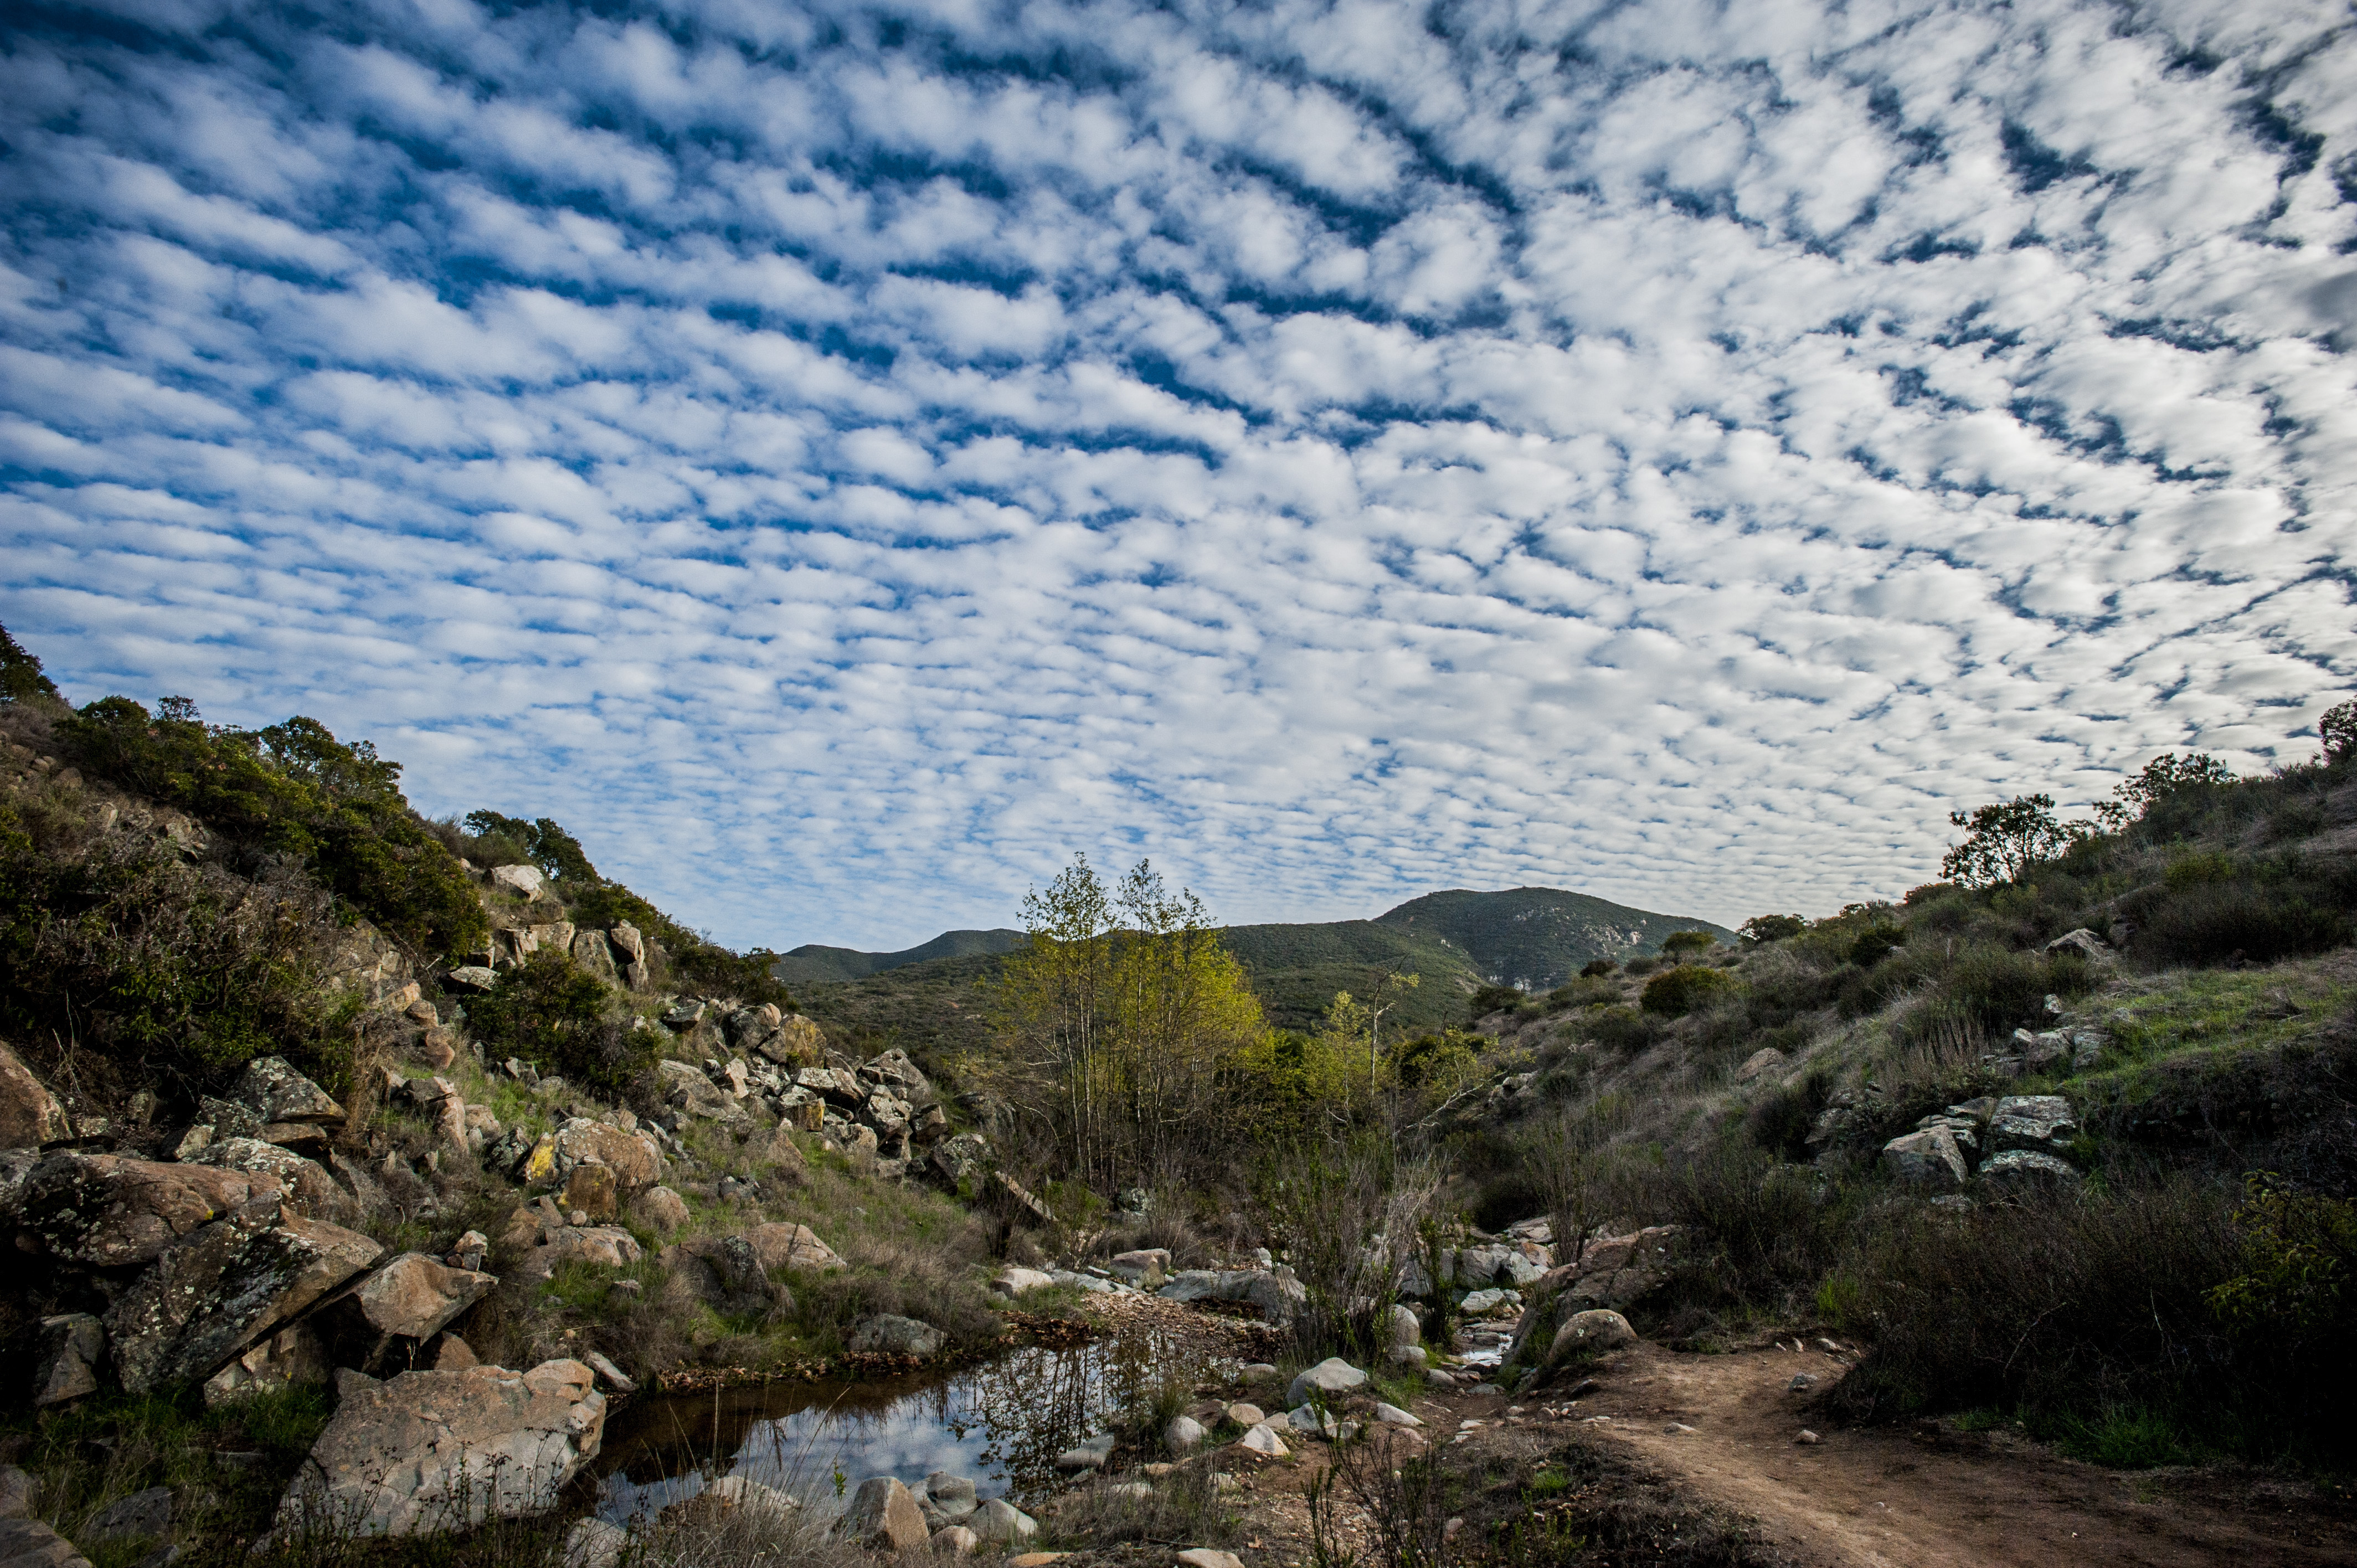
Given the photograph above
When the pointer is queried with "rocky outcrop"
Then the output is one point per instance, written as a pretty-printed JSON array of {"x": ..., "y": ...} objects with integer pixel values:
[
  {"x": 309, "y": 1189},
  {"x": 434, "y": 1451},
  {"x": 2020, "y": 1173},
  {"x": 2042, "y": 1122},
  {"x": 109, "y": 1211},
  {"x": 223, "y": 1287},
  {"x": 412, "y": 1297},
  {"x": 275, "y": 1091},
  {"x": 1928, "y": 1159}
]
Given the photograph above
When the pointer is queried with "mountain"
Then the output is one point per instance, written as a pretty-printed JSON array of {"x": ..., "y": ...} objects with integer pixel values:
[
  {"x": 1537, "y": 937},
  {"x": 1454, "y": 943},
  {"x": 811, "y": 964}
]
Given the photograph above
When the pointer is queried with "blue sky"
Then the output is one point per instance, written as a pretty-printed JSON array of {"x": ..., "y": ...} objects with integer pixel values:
[{"x": 842, "y": 460}]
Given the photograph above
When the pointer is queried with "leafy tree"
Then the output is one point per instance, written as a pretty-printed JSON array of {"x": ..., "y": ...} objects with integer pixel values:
[
  {"x": 550, "y": 1013},
  {"x": 1678, "y": 943},
  {"x": 2006, "y": 840},
  {"x": 557, "y": 853},
  {"x": 1493, "y": 999},
  {"x": 2338, "y": 729},
  {"x": 2161, "y": 778},
  {"x": 1762, "y": 929},
  {"x": 20, "y": 673}
]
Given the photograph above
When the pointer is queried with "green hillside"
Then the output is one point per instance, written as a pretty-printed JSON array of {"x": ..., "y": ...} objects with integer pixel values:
[
  {"x": 813, "y": 964},
  {"x": 1537, "y": 937},
  {"x": 1296, "y": 970}
]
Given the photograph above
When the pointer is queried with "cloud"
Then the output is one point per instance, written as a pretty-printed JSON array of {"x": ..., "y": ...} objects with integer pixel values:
[{"x": 842, "y": 462}]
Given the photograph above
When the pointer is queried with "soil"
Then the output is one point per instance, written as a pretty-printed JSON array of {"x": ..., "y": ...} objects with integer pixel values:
[{"x": 1682, "y": 1458}]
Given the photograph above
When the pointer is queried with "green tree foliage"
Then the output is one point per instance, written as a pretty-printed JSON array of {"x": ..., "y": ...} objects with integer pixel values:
[
  {"x": 2337, "y": 728},
  {"x": 563, "y": 1019},
  {"x": 292, "y": 789},
  {"x": 2006, "y": 840},
  {"x": 1675, "y": 993},
  {"x": 1598, "y": 968},
  {"x": 1493, "y": 999},
  {"x": 1678, "y": 944},
  {"x": 2299, "y": 1266},
  {"x": 557, "y": 853},
  {"x": 2159, "y": 780},
  {"x": 1762, "y": 929},
  {"x": 1120, "y": 1013},
  {"x": 21, "y": 679}
]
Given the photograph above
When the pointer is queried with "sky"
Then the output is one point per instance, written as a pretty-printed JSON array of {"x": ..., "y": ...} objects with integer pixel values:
[{"x": 843, "y": 461}]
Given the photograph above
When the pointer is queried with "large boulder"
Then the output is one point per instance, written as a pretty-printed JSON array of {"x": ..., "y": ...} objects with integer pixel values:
[
  {"x": 795, "y": 1042},
  {"x": 955, "y": 1162},
  {"x": 526, "y": 880},
  {"x": 276, "y": 1092},
  {"x": 836, "y": 1086},
  {"x": 593, "y": 953},
  {"x": 780, "y": 1246},
  {"x": 2020, "y": 1173},
  {"x": 223, "y": 1287},
  {"x": 606, "y": 1246},
  {"x": 1595, "y": 1330},
  {"x": 30, "y": 1114},
  {"x": 661, "y": 1209},
  {"x": 631, "y": 1157},
  {"x": 884, "y": 1513},
  {"x": 309, "y": 1189},
  {"x": 1928, "y": 1159},
  {"x": 109, "y": 1211},
  {"x": 894, "y": 1067},
  {"x": 434, "y": 1451},
  {"x": 412, "y": 1297}
]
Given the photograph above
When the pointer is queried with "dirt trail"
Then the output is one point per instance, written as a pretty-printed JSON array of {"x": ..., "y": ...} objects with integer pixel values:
[{"x": 1926, "y": 1497}]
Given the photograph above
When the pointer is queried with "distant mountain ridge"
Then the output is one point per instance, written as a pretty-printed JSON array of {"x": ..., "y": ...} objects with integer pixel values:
[
  {"x": 814, "y": 964},
  {"x": 1454, "y": 941}
]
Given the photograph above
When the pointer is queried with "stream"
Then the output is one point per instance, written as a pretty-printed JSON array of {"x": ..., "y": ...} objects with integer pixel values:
[{"x": 1001, "y": 1422}]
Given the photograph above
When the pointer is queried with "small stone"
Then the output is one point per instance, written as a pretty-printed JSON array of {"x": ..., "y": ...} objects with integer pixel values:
[
  {"x": 621, "y": 1382},
  {"x": 1391, "y": 1415},
  {"x": 1089, "y": 1456},
  {"x": 1801, "y": 1382},
  {"x": 20, "y": 1493},
  {"x": 1244, "y": 1414},
  {"x": 1677, "y": 1429},
  {"x": 1210, "y": 1557},
  {"x": 1263, "y": 1439},
  {"x": 1808, "y": 1439}
]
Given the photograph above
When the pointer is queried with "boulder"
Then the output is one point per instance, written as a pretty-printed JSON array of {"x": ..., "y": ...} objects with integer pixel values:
[
  {"x": 473, "y": 978},
  {"x": 1929, "y": 1160},
  {"x": 607, "y": 1246},
  {"x": 2083, "y": 943},
  {"x": 1391, "y": 1415},
  {"x": 524, "y": 879},
  {"x": 883, "y": 1514},
  {"x": 292, "y": 1357},
  {"x": 2016, "y": 1173},
  {"x": 886, "y": 1334},
  {"x": 1000, "y": 1523},
  {"x": 687, "y": 1087},
  {"x": 1138, "y": 1266},
  {"x": 795, "y": 1042},
  {"x": 1263, "y": 1440},
  {"x": 1407, "y": 1329},
  {"x": 1089, "y": 1456},
  {"x": 2035, "y": 1121},
  {"x": 223, "y": 1287},
  {"x": 426, "y": 1452},
  {"x": 72, "y": 1348},
  {"x": 1183, "y": 1435},
  {"x": 1766, "y": 1059},
  {"x": 628, "y": 941},
  {"x": 1244, "y": 1414},
  {"x": 952, "y": 1495},
  {"x": 956, "y": 1161},
  {"x": 780, "y": 1246},
  {"x": 21, "y": 1494},
  {"x": 956, "y": 1540},
  {"x": 835, "y": 1085},
  {"x": 1491, "y": 1303},
  {"x": 1597, "y": 1329},
  {"x": 30, "y": 1114},
  {"x": 452, "y": 1354},
  {"x": 590, "y": 1192},
  {"x": 29, "y": 1543},
  {"x": 1326, "y": 1381},
  {"x": 309, "y": 1189},
  {"x": 661, "y": 1209},
  {"x": 113, "y": 1212},
  {"x": 1209, "y": 1557},
  {"x": 276, "y": 1092},
  {"x": 595, "y": 955},
  {"x": 411, "y": 1297},
  {"x": 593, "y": 1543},
  {"x": 141, "y": 1516},
  {"x": 1013, "y": 1281},
  {"x": 894, "y": 1067}
]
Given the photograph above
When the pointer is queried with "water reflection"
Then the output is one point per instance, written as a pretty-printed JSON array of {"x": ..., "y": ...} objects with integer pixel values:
[{"x": 1002, "y": 1421}]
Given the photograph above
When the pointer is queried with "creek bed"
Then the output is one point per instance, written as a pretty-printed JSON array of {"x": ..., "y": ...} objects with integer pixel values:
[{"x": 1001, "y": 1422}]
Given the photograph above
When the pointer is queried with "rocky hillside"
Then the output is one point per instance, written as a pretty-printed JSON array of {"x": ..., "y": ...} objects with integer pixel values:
[{"x": 1535, "y": 938}]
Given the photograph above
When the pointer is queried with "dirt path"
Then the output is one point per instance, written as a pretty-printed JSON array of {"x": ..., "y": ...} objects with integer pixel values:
[{"x": 1921, "y": 1497}]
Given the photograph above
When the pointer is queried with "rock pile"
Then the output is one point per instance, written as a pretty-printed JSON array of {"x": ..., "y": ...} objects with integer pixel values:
[{"x": 2004, "y": 1146}]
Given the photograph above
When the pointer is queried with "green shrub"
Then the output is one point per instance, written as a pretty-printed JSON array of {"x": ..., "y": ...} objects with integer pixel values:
[
  {"x": 1617, "y": 1028},
  {"x": 1435, "y": 1058},
  {"x": 562, "y": 1019},
  {"x": 2210, "y": 922},
  {"x": 1876, "y": 944},
  {"x": 1596, "y": 968},
  {"x": 1677, "y": 944},
  {"x": 1493, "y": 999},
  {"x": 1762, "y": 929},
  {"x": 291, "y": 790},
  {"x": 1675, "y": 993}
]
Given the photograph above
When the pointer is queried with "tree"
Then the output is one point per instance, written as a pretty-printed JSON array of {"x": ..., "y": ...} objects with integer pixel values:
[
  {"x": 1762, "y": 929},
  {"x": 2337, "y": 728},
  {"x": 20, "y": 673},
  {"x": 1679, "y": 943},
  {"x": 1121, "y": 1010},
  {"x": 2161, "y": 778},
  {"x": 2006, "y": 840},
  {"x": 557, "y": 853}
]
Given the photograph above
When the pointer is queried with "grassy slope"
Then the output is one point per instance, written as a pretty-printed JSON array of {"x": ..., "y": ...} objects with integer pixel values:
[{"x": 1538, "y": 937}]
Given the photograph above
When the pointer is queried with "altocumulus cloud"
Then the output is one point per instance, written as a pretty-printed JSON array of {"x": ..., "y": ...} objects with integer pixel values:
[{"x": 841, "y": 459}]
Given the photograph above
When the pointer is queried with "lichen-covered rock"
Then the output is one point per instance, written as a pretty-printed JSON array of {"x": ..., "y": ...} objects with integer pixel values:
[
  {"x": 29, "y": 1543},
  {"x": 412, "y": 1297},
  {"x": 887, "y": 1333},
  {"x": 109, "y": 1211},
  {"x": 427, "y": 1452},
  {"x": 30, "y": 1114},
  {"x": 2016, "y": 1173},
  {"x": 72, "y": 1347},
  {"x": 662, "y": 1210},
  {"x": 686, "y": 1087},
  {"x": 894, "y": 1067},
  {"x": 884, "y": 1513},
  {"x": 631, "y": 1157},
  {"x": 223, "y": 1286},
  {"x": 607, "y": 1246},
  {"x": 1595, "y": 1329},
  {"x": 2037, "y": 1122},
  {"x": 1930, "y": 1159},
  {"x": 309, "y": 1189},
  {"x": 276, "y": 1092},
  {"x": 780, "y": 1246}
]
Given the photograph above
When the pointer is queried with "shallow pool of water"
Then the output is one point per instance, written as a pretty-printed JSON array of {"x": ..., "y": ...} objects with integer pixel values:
[{"x": 1001, "y": 1422}]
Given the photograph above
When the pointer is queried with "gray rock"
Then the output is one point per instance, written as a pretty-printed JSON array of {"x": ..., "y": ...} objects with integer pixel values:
[
  {"x": 1138, "y": 1266},
  {"x": 428, "y": 1452},
  {"x": 141, "y": 1516},
  {"x": 223, "y": 1287},
  {"x": 954, "y": 1495},
  {"x": 1263, "y": 1440},
  {"x": 661, "y": 1209},
  {"x": 2035, "y": 1121},
  {"x": 1407, "y": 1329},
  {"x": 1014, "y": 1281},
  {"x": 29, "y": 1543},
  {"x": 73, "y": 1347},
  {"x": 30, "y": 1114},
  {"x": 275, "y": 1091},
  {"x": 2015, "y": 1173},
  {"x": 1089, "y": 1456},
  {"x": 886, "y": 1334},
  {"x": 1000, "y": 1523},
  {"x": 688, "y": 1088},
  {"x": 473, "y": 978},
  {"x": 955, "y": 1162},
  {"x": 524, "y": 879},
  {"x": 1183, "y": 1436},
  {"x": 20, "y": 1493},
  {"x": 883, "y": 1514},
  {"x": 1595, "y": 1329},
  {"x": 1326, "y": 1381},
  {"x": 1928, "y": 1159},
  {"x": 2083, "y": 941},
  {"x": 1485, "y": 1303}
]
